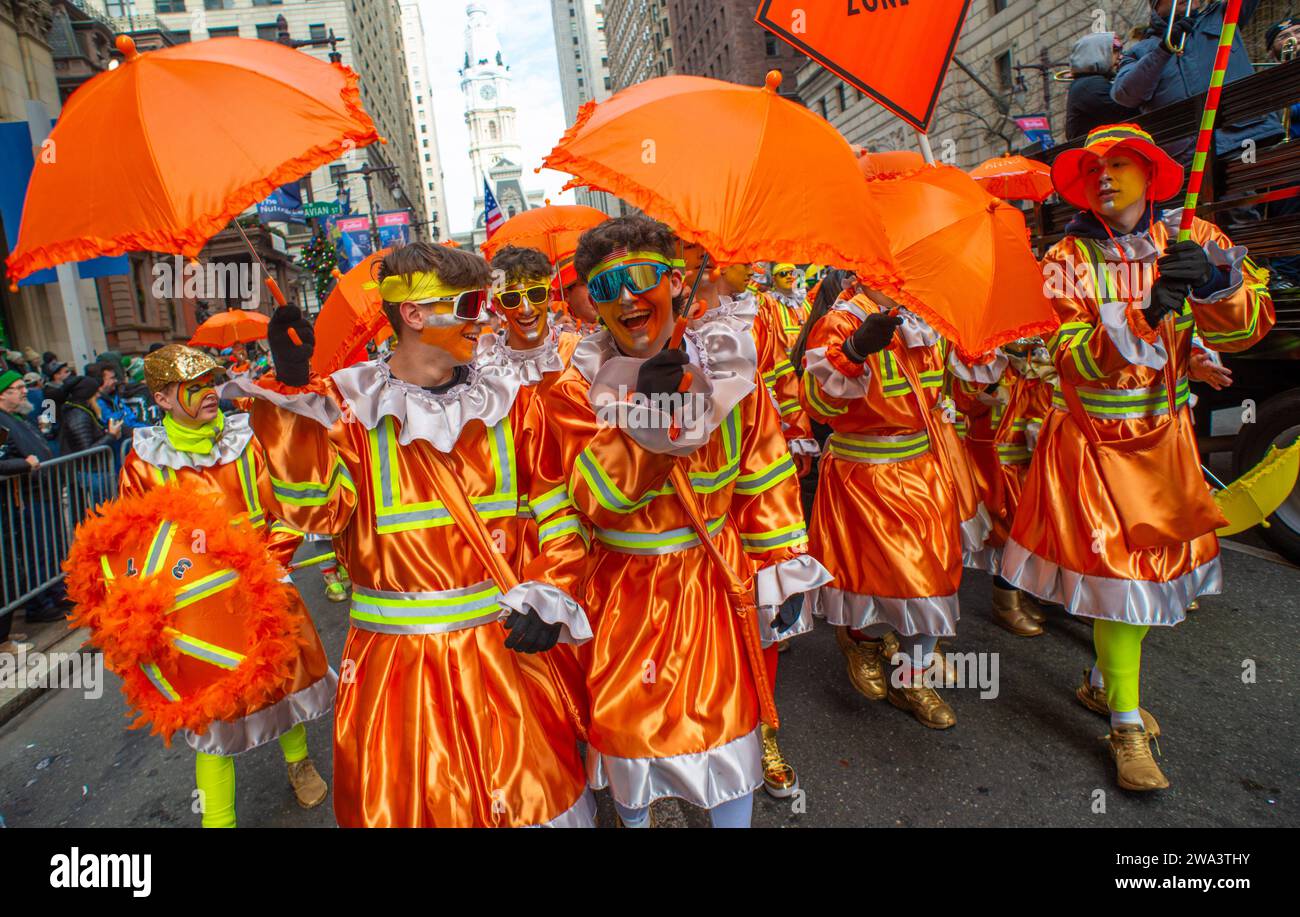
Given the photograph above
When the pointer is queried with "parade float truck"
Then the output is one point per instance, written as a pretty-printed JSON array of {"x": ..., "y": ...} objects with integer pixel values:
[{"x": 1254, "y": 195}]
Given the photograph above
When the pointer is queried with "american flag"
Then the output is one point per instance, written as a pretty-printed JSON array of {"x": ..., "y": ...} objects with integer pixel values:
[{"x": 492, "y": 215}]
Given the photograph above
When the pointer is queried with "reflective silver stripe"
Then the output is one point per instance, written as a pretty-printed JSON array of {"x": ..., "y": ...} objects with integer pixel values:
[
  {"x": 878, "y": 450},
  {"x": 550, "y": 503},
  {"x": 783, "y": 467},
  {"x": 503, "y": 456},
  {"x": 438, "y": 612},
  {"x": 1127, "y": 403},
  {"x": 208, "y": 584},
  {"x": 157, "y": 549},
  {"x": 216, "y": 655},
  {"x": 777, "y": 540},
  {"x": 650, "y": 543}
]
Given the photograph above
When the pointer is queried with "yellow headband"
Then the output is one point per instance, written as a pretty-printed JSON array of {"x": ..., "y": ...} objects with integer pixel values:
[
  {"x": 777, "y": 268},
  {"x": 622, "y": 256},
  {"x": 419, "y": 287}
]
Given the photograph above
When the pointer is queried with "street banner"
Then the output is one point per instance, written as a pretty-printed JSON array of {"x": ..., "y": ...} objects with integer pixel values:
[
  {"x": 895, "y": 51},
  {"x": 351, "y": 236},
  {"x": 394, "y": 228},
  {"x": 1038, "y": 128},
  {"x": 283, "y": 205}
]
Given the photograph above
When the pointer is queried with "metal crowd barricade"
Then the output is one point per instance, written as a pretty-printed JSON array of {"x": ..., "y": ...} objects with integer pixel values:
[{"x": 39, "y": 513}]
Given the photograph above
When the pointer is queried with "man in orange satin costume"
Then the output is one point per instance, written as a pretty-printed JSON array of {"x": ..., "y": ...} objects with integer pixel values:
[
  {"x": 1129, "y": 299},
  {"x": 674, "y": 711},
  {"x": 1004, "y": 403},
  {"x": 444, "y": 718},
  {"x": 200, "y": 446},
  {"x": 884, "y": 523}
]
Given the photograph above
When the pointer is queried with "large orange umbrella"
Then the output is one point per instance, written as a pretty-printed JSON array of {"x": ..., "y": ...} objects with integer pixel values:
[
  {"x": 740, "y": 170},
  {"x": 160, "y": 153},
  {"x": 553, "y": 229},
  {"x": 965, "y": 259},
  {"x": 350, "y": 316},
  {"x": 226, "y": 329},
  {"x": 1014, "y": 178}
]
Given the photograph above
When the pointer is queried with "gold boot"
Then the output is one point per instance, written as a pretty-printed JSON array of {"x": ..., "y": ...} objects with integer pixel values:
[
  {"x": 923, "y": 703},
  {"x": 866, "y": 663},
  {"x": 1029, "y": 605},
  {"x": 308, "y": 785},
  {"x": 779, "y": 778},
  {"x": 1009, "y": 614},
  {"x": 1094, "y": 699},
  {"x": 1135, "y": 768}
]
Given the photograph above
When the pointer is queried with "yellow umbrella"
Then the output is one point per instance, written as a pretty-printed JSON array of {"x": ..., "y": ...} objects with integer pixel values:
[{"x": 1256, "y": 495}]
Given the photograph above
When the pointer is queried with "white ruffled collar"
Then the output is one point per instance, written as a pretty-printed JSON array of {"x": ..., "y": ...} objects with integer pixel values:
[
  {"x": 742, "y": 310},
  {"x": 152, "y": 445},
  {"x": 487, "y": 394},
  {"x": 914, "y": 332},
  {"x": 531, "y": 364}
]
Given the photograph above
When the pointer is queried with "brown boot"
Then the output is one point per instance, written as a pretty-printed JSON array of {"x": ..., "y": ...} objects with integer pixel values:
[
  {"x": 923, "y": 703},
  {"x": 1008, "y": 614},
  {"x": 866, "y": 663},
  {"x": 1029, "y": 605},
  {"x": 779, "y": 778},
  {"x": 1135, "y": 767},
  {"x": 1094, "y": 699},
  {"x": 308, "y": 785}
]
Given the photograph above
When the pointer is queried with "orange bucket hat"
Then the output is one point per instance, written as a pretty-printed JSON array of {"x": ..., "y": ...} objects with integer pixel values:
[{"x": 1069, "y": 169}]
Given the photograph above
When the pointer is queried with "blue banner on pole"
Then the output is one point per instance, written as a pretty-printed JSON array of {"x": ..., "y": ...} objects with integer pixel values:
[{"x": 283, "y": 205}]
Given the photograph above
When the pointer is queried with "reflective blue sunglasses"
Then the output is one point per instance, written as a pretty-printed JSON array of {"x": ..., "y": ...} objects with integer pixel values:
[{"x": 638, "y": 278}]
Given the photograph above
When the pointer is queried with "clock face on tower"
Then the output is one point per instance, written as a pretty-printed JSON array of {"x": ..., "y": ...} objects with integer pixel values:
[{"x": 488, "y": 92}]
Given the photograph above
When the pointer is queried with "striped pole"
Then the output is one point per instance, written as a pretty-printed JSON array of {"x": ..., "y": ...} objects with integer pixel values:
[{"x": 1206, "y": 136}]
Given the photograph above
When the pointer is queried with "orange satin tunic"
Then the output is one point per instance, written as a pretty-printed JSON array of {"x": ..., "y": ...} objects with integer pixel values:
[
  {"x": 244, "y": 487},
  {"x": 438, "y": 724},
  {"x": 667, "y": 673},
  {"x": 884, "y": 523},
  {"x": 773, "y": 342},
  {"x": 1066, "y": 543}
]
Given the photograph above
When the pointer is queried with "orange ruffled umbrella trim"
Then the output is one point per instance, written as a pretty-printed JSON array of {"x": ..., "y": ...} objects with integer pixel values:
[{"x": 190, "y": 241}]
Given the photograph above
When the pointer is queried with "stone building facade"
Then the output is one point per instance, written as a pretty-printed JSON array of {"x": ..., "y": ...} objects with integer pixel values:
[
  {"x": 720, "y": 39},
  {"x": 639, "y": 38}
]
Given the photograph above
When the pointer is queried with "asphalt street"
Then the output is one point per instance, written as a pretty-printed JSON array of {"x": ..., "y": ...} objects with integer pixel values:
[{"x": 1031, "y": 756}]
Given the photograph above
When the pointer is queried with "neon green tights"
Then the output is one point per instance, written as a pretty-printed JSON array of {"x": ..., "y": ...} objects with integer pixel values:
[
  {"x": 1119, "y": 657},
  {"x": 215, "y": 777}
]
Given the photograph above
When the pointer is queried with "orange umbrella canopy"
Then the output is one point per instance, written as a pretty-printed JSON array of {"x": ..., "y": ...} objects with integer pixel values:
[
  {"x": 740, "y": 170},
  {"x": 235, "y": 326},
  {"x": 160, "y": 153},
  {"x": 889, "y": 164},
  {"x": 351, "y": 316},
  {"x": 553, "y": 229},
  {"x": 1014, "y": 178},
  {"x": 965, "y": 259}
]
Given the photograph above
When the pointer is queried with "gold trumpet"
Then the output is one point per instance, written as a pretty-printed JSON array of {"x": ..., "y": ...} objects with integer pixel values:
[
  {"x": 1290, "y": 46},
  {"x": 1169, "y": 29}
]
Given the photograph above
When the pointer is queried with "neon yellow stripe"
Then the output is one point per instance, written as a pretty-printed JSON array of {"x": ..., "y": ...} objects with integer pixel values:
[
  {"x": 103, "y": 563},
  {"x": 811, "y": 387}
]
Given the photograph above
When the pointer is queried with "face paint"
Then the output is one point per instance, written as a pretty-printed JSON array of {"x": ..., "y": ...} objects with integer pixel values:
[
  {"x": 1115, "y": 183},
  {"x": 197, "y": 401},
  {"x": 640, "y": 324},
  {"x": 446, "y": 332},
  {"x": 526, "y": 319}
]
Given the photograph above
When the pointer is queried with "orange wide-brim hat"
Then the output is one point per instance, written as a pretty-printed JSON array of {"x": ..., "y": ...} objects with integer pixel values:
[{"x": 1069, "y": 170}]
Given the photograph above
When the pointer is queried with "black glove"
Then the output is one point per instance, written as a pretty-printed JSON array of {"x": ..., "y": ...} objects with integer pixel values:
[
  {"x": 1166, "y": 296},
  {"x": 529, "y": 633},
  {"x": 662, "y": 374},
  {"x": 1182, "y": 27},
  {"x": 1185, "y": 263},
  {"x": 292, "y": 361},
  {"x": 873, "y": 335},
  {"x": 788, "y": 614}
]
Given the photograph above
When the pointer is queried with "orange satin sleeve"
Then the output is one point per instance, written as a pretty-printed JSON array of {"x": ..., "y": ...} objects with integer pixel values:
[
  {"x": 780, "y": 378},
  {"x": 1083, "y": 349},
  {"x": 765, "y": 502},
  {"x": 1242, "y": 319},
  {"x": 965, "y": 396},
  {"x": 308, "y": 466},
  {"x": 137, "y": 476}
]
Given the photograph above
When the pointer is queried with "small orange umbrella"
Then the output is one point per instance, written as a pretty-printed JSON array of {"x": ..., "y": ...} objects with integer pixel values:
[
  {"x": 234, "y": 326},
  {"x": 553, "y": 229},
  {"x": 160, "y": 153},
  {"x": 781, "y": 183},
  {"x": 965, "y": 259},
  {"x": 350, "y": 316},
  {"x": 1014, "y": 178}
]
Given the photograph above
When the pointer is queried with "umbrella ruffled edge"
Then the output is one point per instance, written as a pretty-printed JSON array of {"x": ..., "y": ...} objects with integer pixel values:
[
  {"x": 594, "y": 174},
  {"x": 23, "y": 263}
]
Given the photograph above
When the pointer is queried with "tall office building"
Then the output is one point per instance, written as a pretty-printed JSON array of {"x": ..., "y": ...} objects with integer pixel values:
[
  {"x": 639, "y": 36},
  {"x": 720, "y": 39},
  {"x": 584, "y": 70},
  {"x": 426, "y": 133}
]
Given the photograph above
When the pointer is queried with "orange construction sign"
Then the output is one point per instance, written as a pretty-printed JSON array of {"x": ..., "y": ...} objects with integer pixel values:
[{"x": 896, "y": 51}]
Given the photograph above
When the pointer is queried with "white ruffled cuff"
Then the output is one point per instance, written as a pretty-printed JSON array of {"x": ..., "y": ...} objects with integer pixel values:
[
  {"x": 984, "y": 374},
  {"x": 804, "y": 447},
  {"x": 914, "y": 331},
  {"x": 553, "y": 606},
  {"x": 1114, "y": 317},
  {"x": 775, "y": 583},
  {"x": 832, "y": 381},
  {"x": 313, "y": 405},
  {"x": 1231, "y": 260}
]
